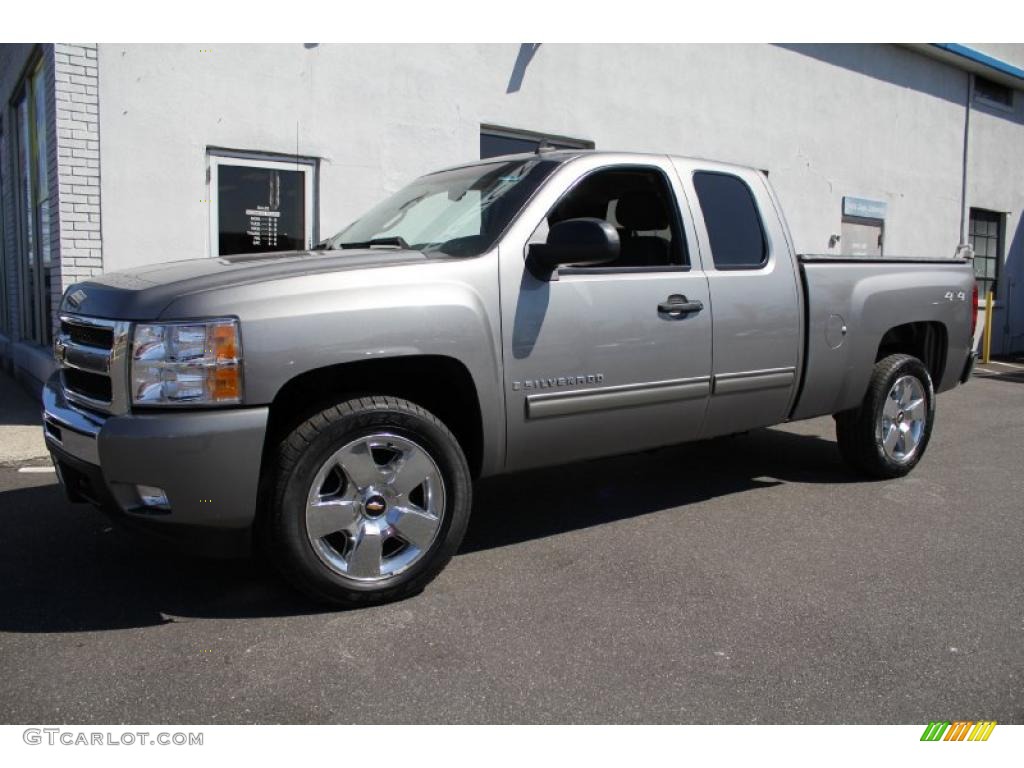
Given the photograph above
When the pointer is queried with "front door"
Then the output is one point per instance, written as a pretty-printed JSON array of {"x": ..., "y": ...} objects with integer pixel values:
[{"x": 601, "y": 361}]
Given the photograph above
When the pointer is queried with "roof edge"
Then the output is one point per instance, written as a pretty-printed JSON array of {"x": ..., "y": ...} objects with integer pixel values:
[{"x": 972, "y": 60}]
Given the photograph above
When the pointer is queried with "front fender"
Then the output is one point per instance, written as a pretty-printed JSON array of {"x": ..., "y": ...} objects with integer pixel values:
[{"x": 303, "y": 323}]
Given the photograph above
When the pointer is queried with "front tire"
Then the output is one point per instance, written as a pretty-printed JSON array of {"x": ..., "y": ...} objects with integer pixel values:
[
  {"x": 887, "y": 435},
  {"x": 371, "y": 500}
]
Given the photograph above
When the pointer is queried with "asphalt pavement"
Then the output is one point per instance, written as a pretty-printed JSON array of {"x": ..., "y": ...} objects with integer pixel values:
[{"x": 749, "y": 579}]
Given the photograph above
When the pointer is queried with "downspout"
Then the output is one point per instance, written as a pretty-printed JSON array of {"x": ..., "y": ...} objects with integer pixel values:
[{"x": 964, "y": 215}]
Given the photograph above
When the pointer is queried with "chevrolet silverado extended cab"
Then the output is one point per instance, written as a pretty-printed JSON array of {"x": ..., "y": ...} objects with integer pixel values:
[{"x": 336, "y": 404}]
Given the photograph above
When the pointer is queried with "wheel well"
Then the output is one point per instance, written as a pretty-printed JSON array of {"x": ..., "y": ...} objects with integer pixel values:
[
  {"x": 440, "y": 384},
  {"x": 925, "y": 340}
]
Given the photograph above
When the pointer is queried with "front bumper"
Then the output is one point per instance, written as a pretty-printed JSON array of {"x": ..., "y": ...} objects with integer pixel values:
[{"x": 207, "y": 462}]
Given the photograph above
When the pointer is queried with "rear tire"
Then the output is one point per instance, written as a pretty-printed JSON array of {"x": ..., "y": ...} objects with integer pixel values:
[
  {"x": 887, "y": 435},
  {"x": 371, "y": 500}
]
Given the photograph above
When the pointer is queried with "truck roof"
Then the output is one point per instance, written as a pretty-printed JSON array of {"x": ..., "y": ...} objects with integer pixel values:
[{"x": 565, "y": 155}]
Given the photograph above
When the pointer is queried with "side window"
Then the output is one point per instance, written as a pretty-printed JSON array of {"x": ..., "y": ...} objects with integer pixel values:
[
  {"x": 986, "y": 241},
  {"x": 733, "y": 223},
  {"x": 639, "y": 203}
]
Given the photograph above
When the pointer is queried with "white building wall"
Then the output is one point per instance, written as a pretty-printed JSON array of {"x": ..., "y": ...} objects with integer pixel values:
[{"x": 874, "y": 121}]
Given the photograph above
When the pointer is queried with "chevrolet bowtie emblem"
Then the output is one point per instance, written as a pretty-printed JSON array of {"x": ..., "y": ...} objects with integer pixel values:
[
  {"x": 375, "y": 506},
  {"x": 75, "y": 299}
]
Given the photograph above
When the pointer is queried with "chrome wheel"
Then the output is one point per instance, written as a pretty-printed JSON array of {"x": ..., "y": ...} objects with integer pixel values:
[
  {"x": 903, "y": 420},
  {"x": 375, "y": 507}
]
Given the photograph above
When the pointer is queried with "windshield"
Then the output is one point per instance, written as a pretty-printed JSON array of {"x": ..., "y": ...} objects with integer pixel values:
[{"x": 461, "y": 212}]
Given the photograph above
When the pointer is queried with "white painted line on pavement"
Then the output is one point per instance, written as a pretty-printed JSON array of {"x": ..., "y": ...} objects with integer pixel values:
[
  {"x": 36, "y": 469},
  {"x": 1008, "y": 365}
]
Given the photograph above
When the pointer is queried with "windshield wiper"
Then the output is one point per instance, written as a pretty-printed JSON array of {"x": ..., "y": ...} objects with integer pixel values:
[{"x": 395, "y": 242}]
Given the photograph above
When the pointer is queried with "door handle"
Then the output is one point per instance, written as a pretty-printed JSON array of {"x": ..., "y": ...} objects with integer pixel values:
[{"x": 679, "y": 306}]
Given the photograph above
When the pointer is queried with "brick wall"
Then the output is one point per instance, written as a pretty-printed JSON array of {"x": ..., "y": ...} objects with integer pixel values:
[
  {"x": 77, "y": 162},
  {"x": 70, "y": 75},
  {"x": 70, "y": 239}
]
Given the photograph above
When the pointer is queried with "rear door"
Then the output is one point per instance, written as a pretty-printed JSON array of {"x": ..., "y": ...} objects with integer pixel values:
[
  {"x": 597, "y": 362},
  {"x": 756, "y": 345}
]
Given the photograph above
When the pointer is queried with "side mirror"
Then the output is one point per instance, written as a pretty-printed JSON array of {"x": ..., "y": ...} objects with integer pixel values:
[{"x": 586, "y": 242}]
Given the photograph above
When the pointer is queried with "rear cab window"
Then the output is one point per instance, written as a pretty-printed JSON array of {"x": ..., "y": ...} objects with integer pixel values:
[{"x": 733, "y": 224}]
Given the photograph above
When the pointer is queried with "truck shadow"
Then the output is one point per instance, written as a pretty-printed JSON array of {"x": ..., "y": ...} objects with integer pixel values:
[
  {"x": 516, "y": 508},
  {"x": 63, "y": 568},
  {"x": 1014, "y": 377}
]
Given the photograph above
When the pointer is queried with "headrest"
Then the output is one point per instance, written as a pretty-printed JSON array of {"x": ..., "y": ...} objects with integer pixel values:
[
  {"x": 577, "y": 207},
  {"x": 641, "y": 212}
]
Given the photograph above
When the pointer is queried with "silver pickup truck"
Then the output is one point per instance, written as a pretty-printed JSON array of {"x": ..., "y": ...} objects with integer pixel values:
[{"x": 336, "y": 405}]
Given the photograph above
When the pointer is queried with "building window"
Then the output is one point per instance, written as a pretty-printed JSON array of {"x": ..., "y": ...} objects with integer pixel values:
[
  {"x": 260, "y": 205},
  {"x": 33, "y": 206},
  {"x": 5, "y": 268},
  {"x": 995, "y": 94},
  {"x": 732, "y": 221},
  {"x": 496, "y": 141},
  {"x": 986, "y": 235}
]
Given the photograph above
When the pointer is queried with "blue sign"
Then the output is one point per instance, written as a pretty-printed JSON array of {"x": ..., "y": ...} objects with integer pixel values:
[{"x": 864, "y": 209}]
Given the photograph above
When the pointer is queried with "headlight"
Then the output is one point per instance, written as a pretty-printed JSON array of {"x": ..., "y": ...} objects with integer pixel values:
[{"x": 189, "y": 362}]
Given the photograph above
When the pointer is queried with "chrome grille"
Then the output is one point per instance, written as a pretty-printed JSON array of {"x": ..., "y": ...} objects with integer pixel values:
[
  {"x": 96, "y": 336},
  {"x": 93, "y": 356}
]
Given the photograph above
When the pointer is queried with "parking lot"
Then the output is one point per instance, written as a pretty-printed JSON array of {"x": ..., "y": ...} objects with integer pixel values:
[{"x": 750, "y": 579}]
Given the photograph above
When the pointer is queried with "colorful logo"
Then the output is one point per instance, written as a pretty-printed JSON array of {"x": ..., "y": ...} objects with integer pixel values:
[{"x": 959, "y": 730}]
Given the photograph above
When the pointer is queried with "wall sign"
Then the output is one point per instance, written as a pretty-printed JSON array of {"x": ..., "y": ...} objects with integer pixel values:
[
  {"x": 260, "y": 206},
  {"x": 863, "y": 208},
  {"x": 260, "y": 209}
]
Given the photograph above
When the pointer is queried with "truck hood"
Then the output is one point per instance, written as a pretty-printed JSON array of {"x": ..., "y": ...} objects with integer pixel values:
[{"x": 143, "y": 293}]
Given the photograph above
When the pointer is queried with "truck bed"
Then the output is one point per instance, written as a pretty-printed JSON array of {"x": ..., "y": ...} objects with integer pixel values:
[{"x": 854, "y": 304}]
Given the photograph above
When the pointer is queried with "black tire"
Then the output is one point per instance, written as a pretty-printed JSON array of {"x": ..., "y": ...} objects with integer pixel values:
[
  {"x": 859, "y": 431},
  {"x": 304, "y": 452}
]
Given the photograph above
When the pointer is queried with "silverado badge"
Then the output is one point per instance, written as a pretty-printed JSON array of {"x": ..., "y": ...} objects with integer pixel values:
[{"x": 559, "y": 381}]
